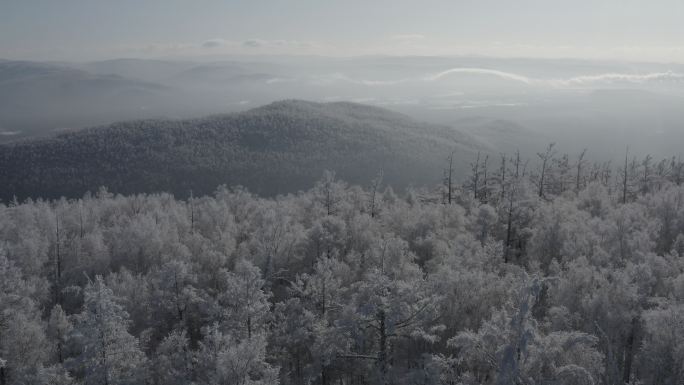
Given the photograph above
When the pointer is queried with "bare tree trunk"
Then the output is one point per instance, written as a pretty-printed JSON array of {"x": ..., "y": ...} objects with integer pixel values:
[
  {"x": 192, "y": 213},
  {"x": 503, "y": 177},
  {"x": 545, "y": 157},
  {"x": 624, "y": 179},
  {"x": 509, "y": 227},
  {"x": 376, "y": 187},
  {"x": 580, "y": 161},
  {"x": 450, "y": 185},
  {"x": 484, "y": 181},
  {"x": 58, "y": 262},
  {"x": 629, "y": 352},
  {"x": 476, "y": 176},
  {"x": 382, "y": 355},
  {"x": 104, "y": 359},
  {"x": 80, "y": 220},
  {"x": 249, "y": 328},
  {"x": 541, "y": 179}
]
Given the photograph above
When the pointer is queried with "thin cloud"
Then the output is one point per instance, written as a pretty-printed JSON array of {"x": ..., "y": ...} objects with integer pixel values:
[
  {"x": 253, "y": 43},
  {"x": 280, "y": 80},
  {"x": 577, "y": 81},
  {"x": 480, "y": 71},
  {"x": 213, "y": 43},
  {"x": 295, "y": 44},
  {"x": 618, "y": 77},
  {"x": 340, "y": 77},
  {"x": 583, "y": 80}
]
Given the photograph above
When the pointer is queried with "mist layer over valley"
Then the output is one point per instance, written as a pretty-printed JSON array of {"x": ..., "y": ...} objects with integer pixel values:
[{"x": 505, "y": 103}]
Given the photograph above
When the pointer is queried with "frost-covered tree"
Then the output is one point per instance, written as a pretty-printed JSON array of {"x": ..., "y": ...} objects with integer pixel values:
[
  {"x": 320, "y": 298},
  {"x": 511, "y": 347},
  {"x": 59, "y": 329},
  {"x": 173, "y": 360},
  {"x": 176, "y": 296},
  {"x": 109, "y": 355},
  {"x": 226, "y": 288},
  {"x": 222, "y": 359},
  {"x": 393, "y": 305},
  {"x": 23, "y": 345},
  {"x": 242, "y": 306},
  {"x": 661, "y": 358}
]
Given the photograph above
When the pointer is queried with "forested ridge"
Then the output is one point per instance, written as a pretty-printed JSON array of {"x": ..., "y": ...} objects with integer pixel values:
[
  {"x": 279, "y": 148},
  {"x": 562, "y": 273}
]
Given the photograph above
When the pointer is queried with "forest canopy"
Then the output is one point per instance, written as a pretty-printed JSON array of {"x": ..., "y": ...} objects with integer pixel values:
[{"x": 568, "y": 273}]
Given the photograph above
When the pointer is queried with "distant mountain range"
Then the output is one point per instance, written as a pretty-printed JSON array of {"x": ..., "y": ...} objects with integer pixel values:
[
  {"x": 278, "y": 148},
  {"x": 36, "y": 98},
  {"x": 42, "y": 98},
  {"x": 509, "y": 104}
]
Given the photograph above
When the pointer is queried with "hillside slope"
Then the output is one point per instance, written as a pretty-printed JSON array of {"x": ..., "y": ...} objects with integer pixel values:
[{"x": 278, "y": 148}]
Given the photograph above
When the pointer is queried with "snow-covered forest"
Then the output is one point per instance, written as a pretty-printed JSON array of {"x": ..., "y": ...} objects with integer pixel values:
[{"x": 557, "y": 271}]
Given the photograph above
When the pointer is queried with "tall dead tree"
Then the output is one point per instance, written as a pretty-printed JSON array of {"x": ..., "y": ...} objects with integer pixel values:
[
  {"x": 448, "y": 180},
  {"x": 677, "y": 175},
  {"x": 511, "y": 197},
  {"x": 509, "y": 223},
  {"x": 630, "y": 347},
  {"x": 58, "y": 260},
  {"x": 485, "y": 188},
  {"x": 580, "y": 164},
  {"x": 625, "y": 177},
  {"x": 191, "y": 205},
  {"x": 475, "y": 176},
  {"x": 375, "y": 186},
  {"x": 646, "y": 176},
  {"x": 502, "y": 177},
  {"x": 545, "y": 157}
]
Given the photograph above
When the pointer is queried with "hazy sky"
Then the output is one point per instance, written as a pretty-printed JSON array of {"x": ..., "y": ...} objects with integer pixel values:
[{"x": 649, "y": 30}]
